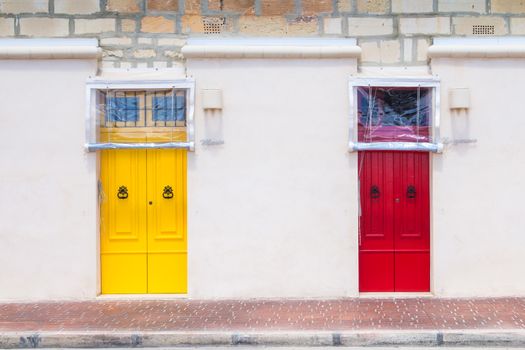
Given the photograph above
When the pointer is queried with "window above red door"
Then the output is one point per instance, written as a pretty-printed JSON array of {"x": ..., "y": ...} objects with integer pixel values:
[{"x": 394, "y": 114}]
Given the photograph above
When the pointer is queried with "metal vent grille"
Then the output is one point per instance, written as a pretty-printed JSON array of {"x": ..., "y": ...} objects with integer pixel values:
[
  {"x": 480, "y": 29},
  {"x": 213, "y": 25}
]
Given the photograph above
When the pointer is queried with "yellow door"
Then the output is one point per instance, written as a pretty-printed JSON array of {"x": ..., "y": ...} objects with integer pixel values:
[
  {"x": 143, "y": 221},
  {"x": 167, "y": 221},
  {"x": 123, "y": 222}
]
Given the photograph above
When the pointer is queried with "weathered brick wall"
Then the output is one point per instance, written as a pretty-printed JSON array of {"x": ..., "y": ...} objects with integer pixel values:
[{"x": 150, "y": 33}]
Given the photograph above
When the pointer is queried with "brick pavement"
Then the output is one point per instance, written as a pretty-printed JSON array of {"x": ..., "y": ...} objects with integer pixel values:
[{"x": 266, "y": 315}]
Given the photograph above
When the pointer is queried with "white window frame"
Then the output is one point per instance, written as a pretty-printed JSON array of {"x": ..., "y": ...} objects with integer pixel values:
[
  {"x": 429, "y": 82},
  {"x": 94, "y": 84}
]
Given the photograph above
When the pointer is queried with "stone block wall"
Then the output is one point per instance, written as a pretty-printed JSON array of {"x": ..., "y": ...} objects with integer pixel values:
[{"x": 150, "y": 33}]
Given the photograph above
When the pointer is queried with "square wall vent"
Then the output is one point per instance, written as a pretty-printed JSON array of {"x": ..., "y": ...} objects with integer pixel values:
[
  {"x": 481, "y": 29},
  {"x": 213, "y": 25}
]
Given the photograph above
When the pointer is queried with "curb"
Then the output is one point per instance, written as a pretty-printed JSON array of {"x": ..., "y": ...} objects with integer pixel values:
[{"x": 431, "y": 338}]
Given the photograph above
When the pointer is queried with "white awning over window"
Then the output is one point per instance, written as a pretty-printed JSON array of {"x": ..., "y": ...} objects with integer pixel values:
[
  {"x": 507, "y": 47},
  {"x": 49, "y": 49},
  {"x": 271, "y": 48}
]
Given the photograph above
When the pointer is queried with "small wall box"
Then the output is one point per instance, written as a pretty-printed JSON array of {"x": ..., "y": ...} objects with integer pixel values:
[
  {"x": 459, "y": 98},
  {"x": 211, "y": 99}
]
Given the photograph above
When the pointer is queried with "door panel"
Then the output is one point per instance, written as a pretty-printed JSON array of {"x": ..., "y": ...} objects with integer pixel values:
[
  {"x": 376, "y": 255},
  {"x": 412, "y": 223},
  {"x": 412, "y": 216},
  {"x": 376, "y": 186},
  {"x": 376, "y": 271},
  {"x": 167, "y": 244},
  {"x": 394, "y": 246},
  {"x": 123, "y": 243},
  {"x": 412, "y": 271}
]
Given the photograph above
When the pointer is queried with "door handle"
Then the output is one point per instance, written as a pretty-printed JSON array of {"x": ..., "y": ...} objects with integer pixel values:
[
  {"x": 374, "y": 192},
  {"x": 168, "y": 192},
  {"x": 411, "y": 191},
  {"x": 122, "y": 192}
]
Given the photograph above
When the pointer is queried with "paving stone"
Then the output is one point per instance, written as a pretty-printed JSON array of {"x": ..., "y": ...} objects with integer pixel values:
[
  {"x": 160, "y": 64},
  {"x": 372, "y": 6},
  {"x": 412, "y": 6},
  {"x": 145, "y": 41},
  {"x": 303, "y": 26},
  {"x": 192, "y": 24},
  {"x": 24, "y": 6},
  {"x": 7, "y": 26},
  {"x": 344, "y": 5},
  {"x": 151, "y": 24},
  {"x": 478, "y": 6},
  {"x": 124, "y": 6},
  {"x": 128, "y": 25},
  {"x": 97, "y": 25},
  {"x": 277, "y": 8},
  {"x": 517, "y": 26},
  {"x": 425, "y": 25},
  {"x": 115, "y": 41},
  {"x": 77, "y": 6},
  {"x": 162, "y": 5},
  {"x": 390, "y": 51},
  {"x": 238, "y": 6},
  {"x": 332, "y": 25},
  {"x": 146, "y": 53},
  {"x": 263, "y": 26},
  {"x": 508, "y": 6},
  {"x": 173, "y": 54},
  {"x": 43, "y": 27},
  {"x": 408, "y": 49},
  {"x": 422, "y": 50},
  {"x": 370, "y": 26},
  {"x": 113, "y": 54},
  {"x": 254, "y": 315},
  {"x": 317, "y": 6},
  {"x": 171, "y": 42},
  {"x": 192, "y": 7}
]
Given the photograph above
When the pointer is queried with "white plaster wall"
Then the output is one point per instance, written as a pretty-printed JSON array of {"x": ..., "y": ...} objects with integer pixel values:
[
  {"x": 478, "y": 241},
  {"x": 273, "y": 212},
  {"x": 48, "y": 203}
]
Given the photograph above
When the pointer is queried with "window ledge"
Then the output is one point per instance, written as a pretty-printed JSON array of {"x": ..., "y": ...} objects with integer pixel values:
[
  {"x": 396, "y": 146},
  {"x": 92, "y": 147}
]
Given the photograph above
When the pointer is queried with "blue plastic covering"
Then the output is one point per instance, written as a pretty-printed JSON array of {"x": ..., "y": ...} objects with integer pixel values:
[{"x": 122, "y": 109}]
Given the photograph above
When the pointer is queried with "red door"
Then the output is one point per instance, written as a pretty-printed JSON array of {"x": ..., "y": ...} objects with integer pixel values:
[{"x": 394, "y": 237}]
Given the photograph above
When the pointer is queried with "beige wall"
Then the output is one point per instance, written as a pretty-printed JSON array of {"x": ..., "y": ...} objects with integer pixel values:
[
  {"x": 478, "y": 244},
  {"x": 273, "y": 211},
  {"x": 48, "y": 200},
  {"x": 150, "y": 33}
]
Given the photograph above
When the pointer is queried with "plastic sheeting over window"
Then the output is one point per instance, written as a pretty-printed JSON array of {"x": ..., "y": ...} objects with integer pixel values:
[
  {"x": 392, "y": 114},
  {"x": 127, "y": 115},
  {"x": 135, "y": 108}
]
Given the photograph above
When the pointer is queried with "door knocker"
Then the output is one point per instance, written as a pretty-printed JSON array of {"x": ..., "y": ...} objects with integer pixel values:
[
  {"x": 374, "y": 192},
  {"x": 122, "y": 192},
  {"x": 411, "y": 191},
  {"x": 168, "y": 192}
]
